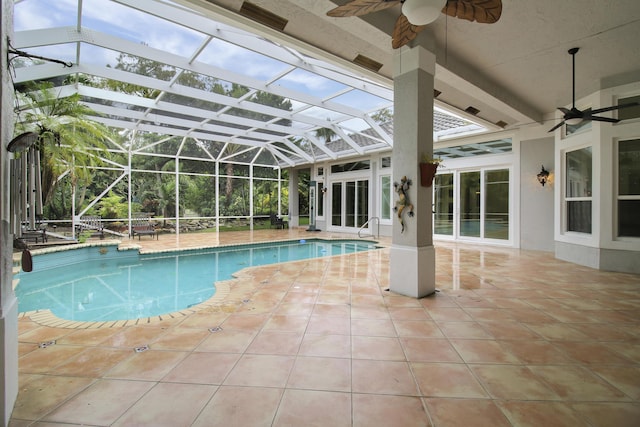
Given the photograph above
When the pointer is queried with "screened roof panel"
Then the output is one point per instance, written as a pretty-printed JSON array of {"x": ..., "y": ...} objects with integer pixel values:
[
  {"x": 139, "y": 26},
  {"x": 310, "y": 83},
  {"x": 242, "y": 61},
  {"x": 163, "y": 73}
]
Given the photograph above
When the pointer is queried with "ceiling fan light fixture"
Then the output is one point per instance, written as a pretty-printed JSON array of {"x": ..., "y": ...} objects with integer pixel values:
[
  {"x": 574, "y": 121},
  {"x": 422, "y": 12}
]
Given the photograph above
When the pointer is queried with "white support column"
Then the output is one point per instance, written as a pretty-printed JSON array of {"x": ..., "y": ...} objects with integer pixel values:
[
  {"x": 412, "y": 255},
  {"x": 294, "y": 199}
]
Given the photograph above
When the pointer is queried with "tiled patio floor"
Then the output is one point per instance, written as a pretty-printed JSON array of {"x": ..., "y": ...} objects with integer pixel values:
[{"x": 513, "y": 338}]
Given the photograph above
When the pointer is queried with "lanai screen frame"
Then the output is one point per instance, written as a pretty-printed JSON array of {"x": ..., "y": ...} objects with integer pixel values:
[{"x": 342, "y": 109}]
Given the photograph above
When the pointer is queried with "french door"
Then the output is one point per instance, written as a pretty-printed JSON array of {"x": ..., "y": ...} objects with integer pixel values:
[
  {"x": 349, "y": 203},
  {"x": 470, "y": 205}
]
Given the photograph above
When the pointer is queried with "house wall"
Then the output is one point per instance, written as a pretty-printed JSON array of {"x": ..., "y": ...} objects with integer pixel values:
[
  {"x": 602, "y": 248},
  {"x": 8, "y": 302},
  {"x": 536, "y": 201}
]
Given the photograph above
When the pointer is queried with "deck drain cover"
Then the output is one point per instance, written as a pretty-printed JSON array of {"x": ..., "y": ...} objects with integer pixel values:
[
  {"x": 215, "y": 329},
  {"x": 141, "y": 348},
  {"x": 46, "y": 344}
]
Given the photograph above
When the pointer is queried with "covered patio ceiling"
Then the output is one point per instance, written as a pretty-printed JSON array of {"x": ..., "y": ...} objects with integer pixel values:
[{"x": 190, "y": 46}]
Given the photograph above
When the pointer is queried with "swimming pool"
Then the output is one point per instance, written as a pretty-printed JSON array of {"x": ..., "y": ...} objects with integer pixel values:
[{"x": 101, "y": 283}]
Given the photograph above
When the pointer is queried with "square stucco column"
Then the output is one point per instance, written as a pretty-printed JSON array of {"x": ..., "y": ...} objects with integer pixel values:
[{"x": 412, "y": 255}]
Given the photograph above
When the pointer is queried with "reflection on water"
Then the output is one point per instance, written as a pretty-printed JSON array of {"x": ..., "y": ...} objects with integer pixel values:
[{"x": 129, "y": 287}]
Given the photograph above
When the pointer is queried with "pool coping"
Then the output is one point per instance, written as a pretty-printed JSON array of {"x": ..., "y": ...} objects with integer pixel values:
[{"x": 223, "y": 288}]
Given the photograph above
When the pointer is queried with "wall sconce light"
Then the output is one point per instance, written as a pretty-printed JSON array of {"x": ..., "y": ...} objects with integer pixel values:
[
  {"x": 543, "y": 176},
  {"x": 324, "y": 190}
]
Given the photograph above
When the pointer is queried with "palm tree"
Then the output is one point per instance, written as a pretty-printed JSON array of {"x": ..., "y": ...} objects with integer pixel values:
[{"x": 68, "y": 140}]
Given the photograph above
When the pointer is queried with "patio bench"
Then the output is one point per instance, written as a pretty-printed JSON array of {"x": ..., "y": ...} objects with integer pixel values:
[{"x": 144, "y": 227}]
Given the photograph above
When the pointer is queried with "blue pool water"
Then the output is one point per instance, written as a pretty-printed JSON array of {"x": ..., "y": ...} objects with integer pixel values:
[{"x": 100, "y": 283}]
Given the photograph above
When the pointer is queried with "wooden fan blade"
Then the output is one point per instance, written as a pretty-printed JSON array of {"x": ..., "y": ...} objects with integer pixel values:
[
  {"x": 482, "y": 11},
  {"x": 404, "y": 31},
  {"x": 362, "y": 7}
]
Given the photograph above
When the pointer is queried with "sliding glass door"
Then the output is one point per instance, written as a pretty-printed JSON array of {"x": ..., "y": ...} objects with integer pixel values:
[
  {"x": 472, "y": 205},
  {"x": 443, "y": 219}
]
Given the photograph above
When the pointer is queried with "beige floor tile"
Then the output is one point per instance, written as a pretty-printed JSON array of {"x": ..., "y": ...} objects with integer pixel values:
[
  {"x": 509, "y": 331},
  {"x": 447, "y": 380},
  {"x": 275, "y": 342},
  {"x": 44, "y": 393},
  {"x": 470, "y": 330},
  {"x": 150, "y": 365},
  {"x": 332, "y": 310},
  {"x": 557, "y": 332},
  {"x": 258, "y": 370},
  {"x": 93, "y": 362},
  {"x": 383, "y": 377},
  {"x": 247, "y": 323},
  {"x": 417, "y": 328},
  {"x": 314, "y": 408},
  {"x": 185, "y": 339},
  {"x": 286, "y": 323},
  {"x": 429, "y": 350},
  {"x": 373, "y": 410},
  {"x": 323, "y": 325},
  {"x": 102, "y": 403},
  {"x": 42, "y": 333},
  {"x": 134, "y": 337},
  {"x": 592, "y": 353},
  {"x": 574, "y": 383},
  {"x": 513, "y": 383},
  {"x": 168, "y": 405},
  {"x": 536, "y": 414},
  {"x": 409, "y": 313},
  {"x": 226, "y": 341},
  {"x": 483, "y": 351},
  {"x": 377, "y": 348},
  {"x": 326, "y": 346},
  {"x": 450, "y": 314},
  {"x": 369, "y": 312},
  {"x": 373, "y": 327},
  {"x": 624, "y": 378},
  {"x": 88, "y": 336},
  {"x": 466, "y": 412},
  {"x": 294, "y": 309},
  {"x": 610, "y": 414},
  {"x": 43, "y": 360},
  {"x": 321, "y": 373},
  {"x": 203, "y": 368},
  {"x": 240, "y": 406},
  {"x": 536, "y": 352}
]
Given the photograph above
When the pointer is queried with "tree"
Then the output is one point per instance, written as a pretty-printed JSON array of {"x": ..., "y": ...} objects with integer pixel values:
[
  {"x": 383, "y": 116},
  {"x": 68, "y": 140},
  {"x": 326, "y": 134}
]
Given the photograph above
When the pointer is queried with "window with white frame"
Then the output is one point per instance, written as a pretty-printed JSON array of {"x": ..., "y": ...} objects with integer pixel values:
[
  {"x": 629, "y": 188},
  {"x": 385, "y": 198},
  {"x": 578, "y": 197},
  {"x": 629, "y": 112}
]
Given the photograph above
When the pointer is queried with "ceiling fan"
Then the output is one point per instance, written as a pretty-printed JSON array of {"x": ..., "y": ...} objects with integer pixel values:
[
  {"x": 416, "y": 14},
  {"x": 574, "y": 116}
]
